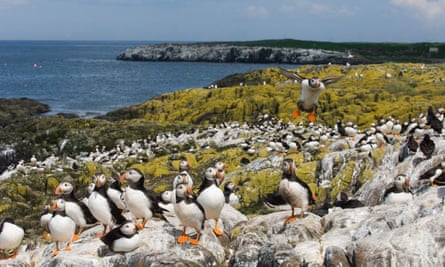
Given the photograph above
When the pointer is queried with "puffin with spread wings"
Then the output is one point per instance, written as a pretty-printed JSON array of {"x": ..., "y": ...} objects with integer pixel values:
[{"x": 311, "y": 89}]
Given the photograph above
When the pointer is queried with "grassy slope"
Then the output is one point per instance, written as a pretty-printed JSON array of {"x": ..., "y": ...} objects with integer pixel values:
[{"x": 364, "y": 96}]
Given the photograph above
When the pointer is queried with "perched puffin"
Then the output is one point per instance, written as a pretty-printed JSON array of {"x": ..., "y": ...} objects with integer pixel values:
[
  {"x": 189, "y": 211},
  {"x": 438, "y": 178},
  {"x": 399, "y": 192},
  {"x": 211, "y": 197},
  {"x": 123, "y": 238},
  {"x": 114, "y": 192},
  {"x": 182, "y": 178},
  {"x": 310, "y": 92},
  {"x": 61, "y": 226},
  {"x": 102, "y": 208},
  {"x": 433, "y": 121},
  {"x": 220, "y": 174},
  {"x": 11, "y": 235},
  {"x": 427, "y": 146},
  {"x": 45, "y": 217},
  {"x": 142, "y": 203},
  {"x": 229, "y": 193},
  {"x": 74, "y": 208},
  {"x": 412, "y": 144},
  {"x": 294, "y": 191}
]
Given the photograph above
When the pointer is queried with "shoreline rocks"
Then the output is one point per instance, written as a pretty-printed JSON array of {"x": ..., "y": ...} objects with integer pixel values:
[{"x": 233, "y": 53}]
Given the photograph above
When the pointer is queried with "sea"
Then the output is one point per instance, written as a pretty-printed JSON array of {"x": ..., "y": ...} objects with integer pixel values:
[{"x": 85, "y": 78}]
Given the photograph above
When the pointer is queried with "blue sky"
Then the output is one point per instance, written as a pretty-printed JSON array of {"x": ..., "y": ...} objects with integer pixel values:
[{"x": 224, "y": 20}]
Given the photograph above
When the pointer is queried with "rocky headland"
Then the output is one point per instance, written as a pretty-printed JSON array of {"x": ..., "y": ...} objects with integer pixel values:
[
  {"x": 234, "y": 53},
  {"x": 248, "y": 126}
]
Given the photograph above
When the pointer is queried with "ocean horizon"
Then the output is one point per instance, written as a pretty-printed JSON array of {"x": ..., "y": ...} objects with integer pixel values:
[{"x": 86, "y": 79}]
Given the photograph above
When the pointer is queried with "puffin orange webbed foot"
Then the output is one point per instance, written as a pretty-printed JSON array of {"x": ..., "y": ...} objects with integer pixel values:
[
  {"x": 182, "y": 238},
  {"x": 290, "y": 219},
  {"x": 296, "y": 113},
  {"x": 311, "y": 117}
]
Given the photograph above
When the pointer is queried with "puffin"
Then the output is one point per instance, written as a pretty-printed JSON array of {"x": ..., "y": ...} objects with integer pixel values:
[
  {"x": 412, "y": 144},
  {"x": 427, "y": 146},
  {"x": 189, "y": 211},
  {"x": 75, "y": 209},
  {"x": 11, "y": 235},
  {"x": 61, "y": 226},
  {"x": 311, "y": 89},
  {"x": 45, "y": 217},
  {"x": 183, "y": 178},
  {"x": 220, "y": 174},
  {"x": 102, "y": 208},
  {"x": 115, "y": 193},
  {"x": 211, "y": 197},
  {"x": 124, "y": 238},
  {"x": 399, "y": 192},
  {"x": 229, "y": 193},
  {"x": 294, "y": 191},
  {"x": 438, "y": 178},
  {"x": 142, "y": 203},
  {"x": 433, "y": 121}
]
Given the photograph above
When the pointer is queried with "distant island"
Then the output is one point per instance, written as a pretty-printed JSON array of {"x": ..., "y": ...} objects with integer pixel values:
[{"x": 289, "y": 51}]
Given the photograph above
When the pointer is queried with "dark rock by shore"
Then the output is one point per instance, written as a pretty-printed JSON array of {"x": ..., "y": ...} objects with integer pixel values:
[
  {"x": 233, "y": 53},
  {"x": 12, "y": 109}
]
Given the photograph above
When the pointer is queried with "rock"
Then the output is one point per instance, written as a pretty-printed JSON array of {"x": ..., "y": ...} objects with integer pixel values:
[{"x": 232, "y": 53}]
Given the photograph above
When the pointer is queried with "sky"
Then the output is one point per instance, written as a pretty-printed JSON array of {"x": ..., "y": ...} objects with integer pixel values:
[{"x": 224, "y": 20}]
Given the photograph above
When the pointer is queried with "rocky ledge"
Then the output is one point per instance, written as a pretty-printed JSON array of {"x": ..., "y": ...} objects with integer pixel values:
[{"x": 233, "y": 53}]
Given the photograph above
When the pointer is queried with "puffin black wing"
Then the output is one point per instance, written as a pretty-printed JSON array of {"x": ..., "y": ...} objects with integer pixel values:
[{"x": 291, "y": 75}]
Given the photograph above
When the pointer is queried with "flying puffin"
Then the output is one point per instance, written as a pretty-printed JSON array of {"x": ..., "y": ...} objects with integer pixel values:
[
  {"x": 61, "y": 226},
  {"x": 294, "y": 191},
  {"x": 211, "y": 197},
  {"x": 74, "y": 208},
  {"x": 189, "y": 211},
  {"x": 142, "y": 203},
  {"x": 102, "y": 208},
  {"x": 11, "y": 235},
  {"x": 123, "y": 239},
  {"x": 310, "y": 92}
]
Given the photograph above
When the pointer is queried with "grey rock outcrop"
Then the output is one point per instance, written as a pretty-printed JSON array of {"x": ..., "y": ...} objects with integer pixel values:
[
  {"x": 232, "y": 53},
  {"x": 399, "y": 234}
]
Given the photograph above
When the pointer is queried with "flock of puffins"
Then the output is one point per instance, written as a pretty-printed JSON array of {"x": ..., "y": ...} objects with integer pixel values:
[{"x": 123, "y": 206}]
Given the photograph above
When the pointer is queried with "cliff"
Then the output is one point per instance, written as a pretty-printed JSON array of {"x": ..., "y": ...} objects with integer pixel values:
[{"x": 233, "y": 53}]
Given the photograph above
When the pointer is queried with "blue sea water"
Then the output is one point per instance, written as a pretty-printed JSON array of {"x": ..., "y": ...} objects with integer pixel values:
[{"x": 84, "y": 77}]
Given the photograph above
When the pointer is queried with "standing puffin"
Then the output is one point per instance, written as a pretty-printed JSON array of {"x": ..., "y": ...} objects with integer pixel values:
[
  {"x": 11, "y": 236},
  {"x": 294, "y": 191},
  {"x": 124, "y": 238},
  {"x": 427, "y": 146},
  {"x": 75, "y": 209},
  {"x": 310, "y": 92},
  {"x": 61, "y": 226},
  {"x": 211, "y": 197},
  {"x": 102, "y": 208},
  {"x": 229, "y": 193},
  {"x": 142, "y": 203},
  {"x": 189, "y": 211}
]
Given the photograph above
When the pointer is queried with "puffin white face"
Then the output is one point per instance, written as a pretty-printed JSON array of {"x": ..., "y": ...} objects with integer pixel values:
[
  {"x": 166, "y": 196},
  {"x": 128, "y": 229},
  {"x": 91, "y": 187},
  {"x": 99, "y": 180},
  {"x": 184, "y": 165},
  {"x": 230, "y": 186},
  {"x": 210, "y": 173},
  {"x": 64, "y": 188},
  {"x": 182, "y": 191},
  {"x": 58, "y": 204},
  {"x": 401, "y": 182},
  {"x": 314, "y": 82},
  {"x": 220, "y": 165},
  {"x": 180, "y": 179},
  {"x": 133, "y": 175},
  {"x": 287, "y": 166}
]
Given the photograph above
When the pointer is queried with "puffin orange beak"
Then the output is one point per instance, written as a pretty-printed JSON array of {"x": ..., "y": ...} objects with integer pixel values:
[
  {"x": 123, "y": 177},
  {"x": 98, "y": 183},
  {"x": 139, "y": 227},
  {"x": 190, "y": 191},
  {"x": 407, "y": 183},
  {"x": 58, "y": 190}
]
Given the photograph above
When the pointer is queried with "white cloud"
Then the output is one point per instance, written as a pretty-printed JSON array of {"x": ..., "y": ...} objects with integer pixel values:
[
  {"x": 428, "y": 9},
  {"x": 257, "y": 11}
]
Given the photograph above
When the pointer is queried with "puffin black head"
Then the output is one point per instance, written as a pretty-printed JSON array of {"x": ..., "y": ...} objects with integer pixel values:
[
  {"x": 134, "y": 177},
  {"x": 64, "y": 188}
]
